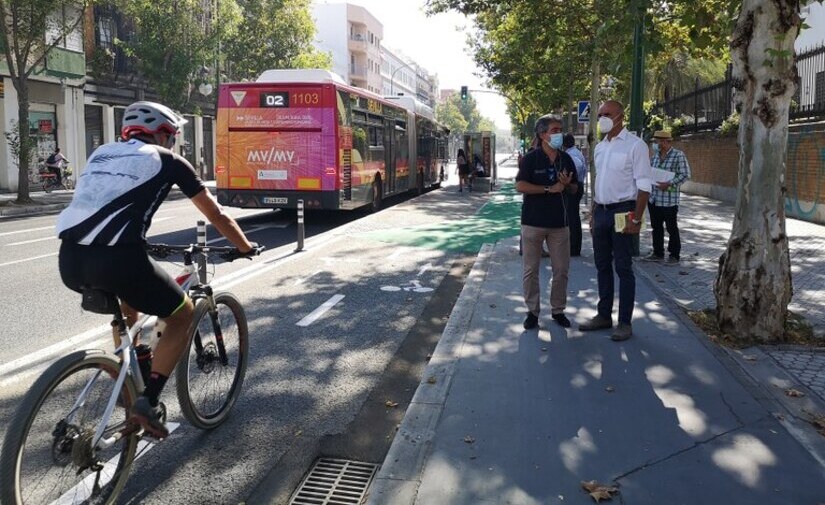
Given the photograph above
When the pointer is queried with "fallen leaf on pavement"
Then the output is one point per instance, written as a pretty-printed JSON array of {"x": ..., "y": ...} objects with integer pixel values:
[
  {"x": 610, "y": 389},
  {"x": 818, "y": 420},
  {"x": 598, "y": 491},
  {"x": 749, "y": 357},
  {"x": 391, "y": 404},
  {"x": 682, "y": 272},
  {"x": 468, "y": 439},
  {"x": 779, "y": 416},
  {"x": 793, "y": 393},
  {"x": 492, "y": 305},
  {"x": 298, "y": 433},
  {"x": 432, "y": 379}
]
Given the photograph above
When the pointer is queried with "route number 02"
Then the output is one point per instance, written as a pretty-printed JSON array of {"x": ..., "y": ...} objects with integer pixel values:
[{"x": 279, "y": 99}]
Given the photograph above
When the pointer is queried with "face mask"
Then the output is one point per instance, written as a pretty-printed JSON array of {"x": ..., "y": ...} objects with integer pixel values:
[
  {"x": 605, "y": 124},
  {"x": 655, "y": 148},
  {"x": 556, "y": 140}
]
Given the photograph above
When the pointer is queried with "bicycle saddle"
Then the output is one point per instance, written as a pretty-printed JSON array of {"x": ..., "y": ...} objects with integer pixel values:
[{"x": 99, "y": 301}]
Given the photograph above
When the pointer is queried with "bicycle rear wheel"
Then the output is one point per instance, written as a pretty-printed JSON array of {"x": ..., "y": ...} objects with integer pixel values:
[
  {"x": 210, "y": 376},
  {"x": 47, "y": 451}
]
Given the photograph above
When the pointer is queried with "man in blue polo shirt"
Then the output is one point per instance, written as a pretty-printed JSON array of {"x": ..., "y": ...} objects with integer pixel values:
[{"x": 547, "y": 178}]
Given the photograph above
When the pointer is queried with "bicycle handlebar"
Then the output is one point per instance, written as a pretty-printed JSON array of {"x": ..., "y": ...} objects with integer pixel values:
[{"x": 227, "y": 253}]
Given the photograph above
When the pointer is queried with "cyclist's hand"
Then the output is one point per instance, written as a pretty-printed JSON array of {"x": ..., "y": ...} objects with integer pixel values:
[{"x": 235, "y": 254}]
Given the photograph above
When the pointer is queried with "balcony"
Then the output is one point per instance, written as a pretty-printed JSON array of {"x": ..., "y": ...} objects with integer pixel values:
[
  {"x": 357, "y": 43},
  {"x": 358, "y": 72}
]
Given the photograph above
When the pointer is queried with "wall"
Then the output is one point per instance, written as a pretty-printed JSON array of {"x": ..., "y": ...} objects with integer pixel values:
[
  {"x": 714, "y": 164},
  {"x": 331, "y": 25}
]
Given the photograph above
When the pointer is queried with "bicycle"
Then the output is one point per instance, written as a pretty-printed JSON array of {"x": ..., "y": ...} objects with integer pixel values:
[
  {"x": 50, "y": 182},
  {"x": 82, "y": 448}
]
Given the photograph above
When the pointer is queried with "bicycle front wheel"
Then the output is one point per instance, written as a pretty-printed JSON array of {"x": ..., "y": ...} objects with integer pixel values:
[
  {"x": 48, "y": 456},
  {"x": 210, "y": 375}
]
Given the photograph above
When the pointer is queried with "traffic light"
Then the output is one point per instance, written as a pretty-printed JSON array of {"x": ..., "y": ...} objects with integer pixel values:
[{"x": 464, "y": 93}]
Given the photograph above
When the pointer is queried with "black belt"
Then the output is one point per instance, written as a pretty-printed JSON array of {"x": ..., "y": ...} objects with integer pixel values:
[{"x": 614, "y": 206}]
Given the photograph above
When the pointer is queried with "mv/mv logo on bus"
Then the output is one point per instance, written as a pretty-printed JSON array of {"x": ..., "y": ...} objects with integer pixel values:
[
  {"x": 268, "y": 156},
  {"x": 277, "y": 99}
]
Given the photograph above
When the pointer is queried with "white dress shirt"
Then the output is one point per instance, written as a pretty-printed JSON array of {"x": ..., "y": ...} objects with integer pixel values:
[{"x": 622, "y": 168}]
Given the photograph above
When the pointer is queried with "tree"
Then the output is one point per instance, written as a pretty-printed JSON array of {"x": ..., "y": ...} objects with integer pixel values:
[
  {"x": 31, "y": 30},
  {"x": 753, "y": 287},
  {"x": 174, "y": 39},
  {"x": 448, "y": 114},
  {"x": 273, "y": 34},
  {"x": 462, "y": 115}
]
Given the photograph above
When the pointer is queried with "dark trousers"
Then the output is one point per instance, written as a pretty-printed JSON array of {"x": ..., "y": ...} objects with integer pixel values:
[
  {"x": 661, "y": 218},
  {"x": 611, "y": 248},
  {"x": 574, "y": 220}
]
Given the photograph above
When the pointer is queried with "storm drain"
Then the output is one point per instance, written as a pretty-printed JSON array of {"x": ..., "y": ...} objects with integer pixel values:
[{"x": 335, "y": 481}]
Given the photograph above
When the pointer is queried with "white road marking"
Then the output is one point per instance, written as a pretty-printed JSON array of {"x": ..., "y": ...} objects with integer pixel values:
[
  {"x": 29, "y": 230},
  {"x": 27, "y": 259},
  {"x": 423, "y": 269},
  {"x": 320, "y": 311},
  {"x": 31, "y": 241},
  {"x": 397, "y": 253},
  {"x": 37, "y": 361},
  {"x": 304, "y": 279},
  {"x": 83, "y": 490}
]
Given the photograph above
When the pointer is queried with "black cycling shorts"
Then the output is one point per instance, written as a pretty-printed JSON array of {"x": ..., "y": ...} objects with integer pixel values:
[{"x": 126, "y": 271}]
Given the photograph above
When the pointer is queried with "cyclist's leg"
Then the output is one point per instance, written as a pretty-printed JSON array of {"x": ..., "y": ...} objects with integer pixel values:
[
  {"x": 171, "y": 347},
  {"x": 131, "y": 316}
]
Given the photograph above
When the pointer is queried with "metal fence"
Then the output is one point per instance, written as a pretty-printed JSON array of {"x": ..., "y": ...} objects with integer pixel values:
[{"x": 705, "y": 108}]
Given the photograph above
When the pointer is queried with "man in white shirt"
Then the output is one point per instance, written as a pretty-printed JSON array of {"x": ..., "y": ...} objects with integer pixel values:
[{"x": 622, "y": 186}]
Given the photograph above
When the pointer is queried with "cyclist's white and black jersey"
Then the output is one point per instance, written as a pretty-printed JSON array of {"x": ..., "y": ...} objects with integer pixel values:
[{"x": 120, "y": 190}]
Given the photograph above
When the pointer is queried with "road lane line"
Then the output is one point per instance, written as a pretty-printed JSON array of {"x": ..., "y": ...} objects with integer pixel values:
[
  {"x": 27, "y": 259},
  {"x": 29, "y": 230},
  {"x": 31, "y": 241},
  {"x": 83, "y": 490},
  {"x": 37, "y": 361},
  {"x": 320, "y": 311}
]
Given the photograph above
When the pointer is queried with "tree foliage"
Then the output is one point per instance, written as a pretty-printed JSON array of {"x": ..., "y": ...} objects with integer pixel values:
[
  {"x": 174, "y": 39},
  {"x": 462, "y": 115},
  {"x": 542, "y": 52},
  {"x": 273, "y": 34}
]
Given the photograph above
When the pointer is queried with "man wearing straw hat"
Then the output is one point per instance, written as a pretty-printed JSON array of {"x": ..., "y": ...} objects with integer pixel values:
[{"x": 664, "y": 199}]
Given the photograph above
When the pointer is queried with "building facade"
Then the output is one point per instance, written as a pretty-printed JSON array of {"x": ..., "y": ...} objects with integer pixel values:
[
  {"x": 398, "y": 73},
  {"x": 353, "y": 36},
  {"x": 77, "y": 98}
]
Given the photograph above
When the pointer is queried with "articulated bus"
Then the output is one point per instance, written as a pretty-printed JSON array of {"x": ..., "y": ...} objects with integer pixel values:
[{"x": 305, "y": 134}]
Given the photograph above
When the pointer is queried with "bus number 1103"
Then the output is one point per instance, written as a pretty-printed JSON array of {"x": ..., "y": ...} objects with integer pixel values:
[{"x": 306, "y": 98}]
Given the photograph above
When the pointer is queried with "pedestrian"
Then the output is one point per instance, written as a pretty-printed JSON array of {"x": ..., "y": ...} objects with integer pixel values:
[
  {"x": 664, "y": 199},
  {"x": 54, "y": 164},
  {"x": 574, "y": 209},
  {"x": 463, "y": 168},
  {"x": 478, "y": 166},
  {"x": 547, "y": 178},
  {"x": 622, "y": 186}
]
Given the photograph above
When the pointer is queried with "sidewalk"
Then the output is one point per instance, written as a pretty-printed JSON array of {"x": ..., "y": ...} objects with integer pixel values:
[
  {"x": 505, "y": 415},
  {"x": 54, "y": 202}
]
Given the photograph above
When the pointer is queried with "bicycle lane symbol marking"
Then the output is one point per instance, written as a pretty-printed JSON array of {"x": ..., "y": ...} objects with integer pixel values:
[
  {"x": 413, "y": 285},
  {"x": 83, "y": 490}
]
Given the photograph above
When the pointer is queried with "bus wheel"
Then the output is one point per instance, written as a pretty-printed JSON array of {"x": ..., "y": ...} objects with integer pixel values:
[{"x": 376, "y": 195}]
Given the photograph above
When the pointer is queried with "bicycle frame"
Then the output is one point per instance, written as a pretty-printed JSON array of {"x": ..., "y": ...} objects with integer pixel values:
[{"x": 188, "y": 281}]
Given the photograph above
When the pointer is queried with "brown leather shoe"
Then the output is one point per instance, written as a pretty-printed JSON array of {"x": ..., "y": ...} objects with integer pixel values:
[
  {"x": 596, "y": 323},
  {"x": 622, "y": 332}
]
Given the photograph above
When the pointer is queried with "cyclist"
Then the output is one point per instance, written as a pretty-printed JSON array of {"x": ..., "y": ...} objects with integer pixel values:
[
  {"x": 103, "y": 234},
  {"x": 54, "y": 164}
]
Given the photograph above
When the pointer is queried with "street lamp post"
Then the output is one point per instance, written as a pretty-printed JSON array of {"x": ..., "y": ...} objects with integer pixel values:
[{"x": 392, "y": 75}]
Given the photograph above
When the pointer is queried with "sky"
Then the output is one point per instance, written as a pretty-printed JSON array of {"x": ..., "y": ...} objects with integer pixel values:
[{"x": 437, "y": 43}]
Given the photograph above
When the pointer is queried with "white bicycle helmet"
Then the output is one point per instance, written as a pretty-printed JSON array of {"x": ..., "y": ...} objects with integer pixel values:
[{"x": 150, "y": 118}]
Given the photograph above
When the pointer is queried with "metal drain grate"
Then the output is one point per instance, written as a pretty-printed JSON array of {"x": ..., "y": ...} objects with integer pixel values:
[{"x": 335, "y": 481}]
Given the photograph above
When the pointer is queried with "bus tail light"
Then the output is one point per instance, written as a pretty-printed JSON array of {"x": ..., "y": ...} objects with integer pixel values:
[{"x": 330, "y": 171}]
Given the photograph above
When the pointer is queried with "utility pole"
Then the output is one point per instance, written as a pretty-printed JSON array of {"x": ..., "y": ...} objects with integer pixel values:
[{"x": 637, "y": 90}]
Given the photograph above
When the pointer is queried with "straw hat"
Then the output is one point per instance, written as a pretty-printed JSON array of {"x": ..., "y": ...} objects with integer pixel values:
[{"x": 663, "y": 134}]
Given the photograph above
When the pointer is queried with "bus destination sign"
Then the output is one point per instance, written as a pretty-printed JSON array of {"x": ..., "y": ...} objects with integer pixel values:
[{"x": 275, "y": 99}]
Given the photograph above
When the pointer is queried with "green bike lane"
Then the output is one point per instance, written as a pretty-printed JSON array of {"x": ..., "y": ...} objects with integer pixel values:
[{"x": 497, "y": 219}]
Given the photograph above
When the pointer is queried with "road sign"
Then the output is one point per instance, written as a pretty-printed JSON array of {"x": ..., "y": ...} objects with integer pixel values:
[{"x": 584, "y": 111}]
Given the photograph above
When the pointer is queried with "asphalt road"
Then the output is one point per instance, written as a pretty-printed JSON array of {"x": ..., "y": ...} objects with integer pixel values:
[{"x": 304, "y": 381}]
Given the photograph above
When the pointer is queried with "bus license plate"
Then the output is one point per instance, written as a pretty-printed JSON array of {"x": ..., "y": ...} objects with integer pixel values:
[{"x": 275, "y": 200}]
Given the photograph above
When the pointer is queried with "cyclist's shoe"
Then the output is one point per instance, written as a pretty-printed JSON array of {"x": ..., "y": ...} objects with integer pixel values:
[{"x": 149, "y": 418}]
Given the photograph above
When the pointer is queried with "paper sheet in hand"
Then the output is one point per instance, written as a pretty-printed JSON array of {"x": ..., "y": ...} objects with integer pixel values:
[{"x": 660, "y": 175}]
